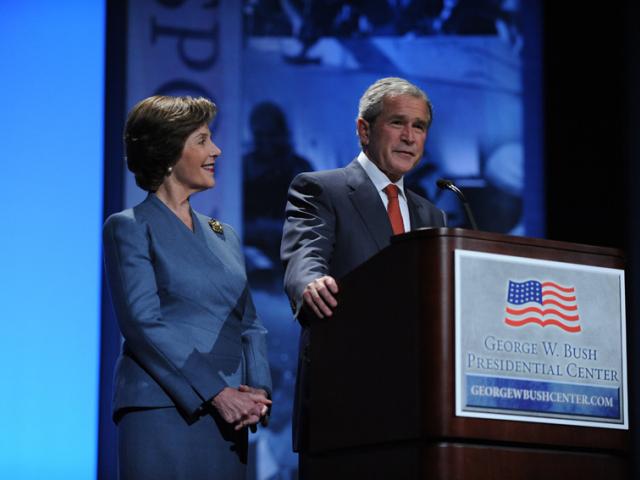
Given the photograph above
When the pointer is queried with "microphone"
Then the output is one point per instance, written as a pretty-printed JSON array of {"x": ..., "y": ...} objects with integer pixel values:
[{"x": 445, "y": 184}]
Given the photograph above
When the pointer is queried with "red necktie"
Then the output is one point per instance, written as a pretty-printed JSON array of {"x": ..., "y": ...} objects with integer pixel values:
[{"x": 393, "y": 209}]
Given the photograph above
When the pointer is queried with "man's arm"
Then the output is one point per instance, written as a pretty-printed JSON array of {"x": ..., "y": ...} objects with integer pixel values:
[{"x": 307, "y": 246}]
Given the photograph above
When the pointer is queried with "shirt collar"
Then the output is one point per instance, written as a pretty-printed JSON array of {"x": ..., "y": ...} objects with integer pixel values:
[{"x": 377, "y": 176}]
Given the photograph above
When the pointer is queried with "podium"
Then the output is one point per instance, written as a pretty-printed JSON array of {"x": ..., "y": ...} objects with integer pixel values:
[{"x": 383, "y": 375}]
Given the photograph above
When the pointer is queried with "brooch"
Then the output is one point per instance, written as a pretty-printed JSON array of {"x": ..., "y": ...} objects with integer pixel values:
[{"x": 215, "y": 225}]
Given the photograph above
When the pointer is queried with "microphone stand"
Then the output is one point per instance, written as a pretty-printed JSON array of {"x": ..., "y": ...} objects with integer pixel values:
[{"x": 443, "y": 184}]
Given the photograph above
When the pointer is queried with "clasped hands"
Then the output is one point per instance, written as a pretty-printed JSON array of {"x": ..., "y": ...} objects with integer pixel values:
[
  {"x": 319, "y": 296},
  {"x": 242, "y": 407}
]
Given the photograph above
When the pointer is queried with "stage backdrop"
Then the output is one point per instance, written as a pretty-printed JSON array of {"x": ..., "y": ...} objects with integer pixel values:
[{"x": 287, "y": 77}]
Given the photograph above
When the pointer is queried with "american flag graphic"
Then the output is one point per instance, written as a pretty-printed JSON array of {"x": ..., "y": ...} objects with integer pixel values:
[{"x": 544, "y": 303}]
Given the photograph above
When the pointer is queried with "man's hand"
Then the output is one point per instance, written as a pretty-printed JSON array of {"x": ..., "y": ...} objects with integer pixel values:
[
  {"x": 319, "y": 296},
  {"x": 241, "y": 407}
]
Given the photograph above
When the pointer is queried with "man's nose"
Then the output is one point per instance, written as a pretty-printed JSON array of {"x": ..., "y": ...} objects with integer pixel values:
[{"x": 407, "y": 135}]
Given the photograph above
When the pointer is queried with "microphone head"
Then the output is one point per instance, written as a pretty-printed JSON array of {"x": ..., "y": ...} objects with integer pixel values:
[{"x": 443, "y": 183}]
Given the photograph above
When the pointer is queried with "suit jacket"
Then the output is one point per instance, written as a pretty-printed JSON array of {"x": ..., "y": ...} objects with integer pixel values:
[
  {"x": 184, "y": 309},
  {"x": 335, "y": 221}
]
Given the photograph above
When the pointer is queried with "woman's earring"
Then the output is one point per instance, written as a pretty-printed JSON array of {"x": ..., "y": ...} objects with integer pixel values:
[{"x": 169, "y": 170}]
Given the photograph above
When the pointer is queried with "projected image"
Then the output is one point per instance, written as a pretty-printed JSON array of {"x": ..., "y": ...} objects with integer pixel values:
[
  {"x": 309, "y": 21},
  {"x": 465, "y": 55},
  {"x": 305, "y": 66},
  {"x": 268, "y": 169}
]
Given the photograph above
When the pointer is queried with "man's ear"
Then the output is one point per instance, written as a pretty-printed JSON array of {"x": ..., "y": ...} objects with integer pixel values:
[{"x": 363, "y": 129}]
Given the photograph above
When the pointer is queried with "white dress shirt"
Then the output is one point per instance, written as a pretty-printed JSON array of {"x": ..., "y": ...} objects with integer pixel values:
[{"x": 380, "y": 180}]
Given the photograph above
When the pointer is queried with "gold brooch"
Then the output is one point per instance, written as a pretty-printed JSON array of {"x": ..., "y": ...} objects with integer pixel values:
[{"x": 215, "y": 225}]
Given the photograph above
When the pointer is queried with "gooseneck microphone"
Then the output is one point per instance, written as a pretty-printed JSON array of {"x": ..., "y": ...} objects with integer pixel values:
[{"x": 445, "y": 184}]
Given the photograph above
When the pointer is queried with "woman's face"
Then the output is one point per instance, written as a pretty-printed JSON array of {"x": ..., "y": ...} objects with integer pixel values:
[{"x": 195, "y": 169}]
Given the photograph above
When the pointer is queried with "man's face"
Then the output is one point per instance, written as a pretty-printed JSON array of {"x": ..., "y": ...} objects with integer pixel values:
[{"x": 395, "y": 140}]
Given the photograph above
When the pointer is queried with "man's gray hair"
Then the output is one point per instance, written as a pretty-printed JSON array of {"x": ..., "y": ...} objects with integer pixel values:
[{"x": 371, "y": 102}]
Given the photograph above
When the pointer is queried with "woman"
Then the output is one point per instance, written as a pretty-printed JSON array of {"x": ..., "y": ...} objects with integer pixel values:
[{"x": 193, "y": 372}]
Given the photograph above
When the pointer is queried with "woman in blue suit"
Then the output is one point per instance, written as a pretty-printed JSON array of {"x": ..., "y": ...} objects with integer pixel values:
[{"x": 193, "y": 373}]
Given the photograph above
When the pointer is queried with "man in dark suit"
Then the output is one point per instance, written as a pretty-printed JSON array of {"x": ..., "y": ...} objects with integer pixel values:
[{"x": 338, "y": 219}]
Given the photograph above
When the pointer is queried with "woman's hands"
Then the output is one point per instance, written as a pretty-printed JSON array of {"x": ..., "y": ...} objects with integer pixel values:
[{"x": 243, "y": 406}]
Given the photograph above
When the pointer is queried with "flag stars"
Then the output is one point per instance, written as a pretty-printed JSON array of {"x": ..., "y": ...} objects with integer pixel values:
[{"x": 529, "y": 291}]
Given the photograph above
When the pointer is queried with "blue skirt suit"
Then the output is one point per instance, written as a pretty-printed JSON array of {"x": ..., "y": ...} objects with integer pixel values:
[{"x": 189, "y": 329}]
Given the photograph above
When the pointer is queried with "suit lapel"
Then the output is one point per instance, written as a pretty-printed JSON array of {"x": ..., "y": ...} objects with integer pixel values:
[
  {"x": 416, "y": 212},
  {"x": 215, "y": 242},
  {"x": 194, "y": 247},
  {"x": 366, "y": 200},
  {"x": 421, "y": 215}
]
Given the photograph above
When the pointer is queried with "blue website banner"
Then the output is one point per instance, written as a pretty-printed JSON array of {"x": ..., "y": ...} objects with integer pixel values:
[{"x": 542, "y": 397}]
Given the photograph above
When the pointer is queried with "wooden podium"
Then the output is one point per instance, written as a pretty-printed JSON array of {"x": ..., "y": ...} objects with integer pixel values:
[{"x": 383, "y": 377}]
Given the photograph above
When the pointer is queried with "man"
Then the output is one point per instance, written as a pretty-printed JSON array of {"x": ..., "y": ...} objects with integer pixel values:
[{"x": 338, "y": 219}]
